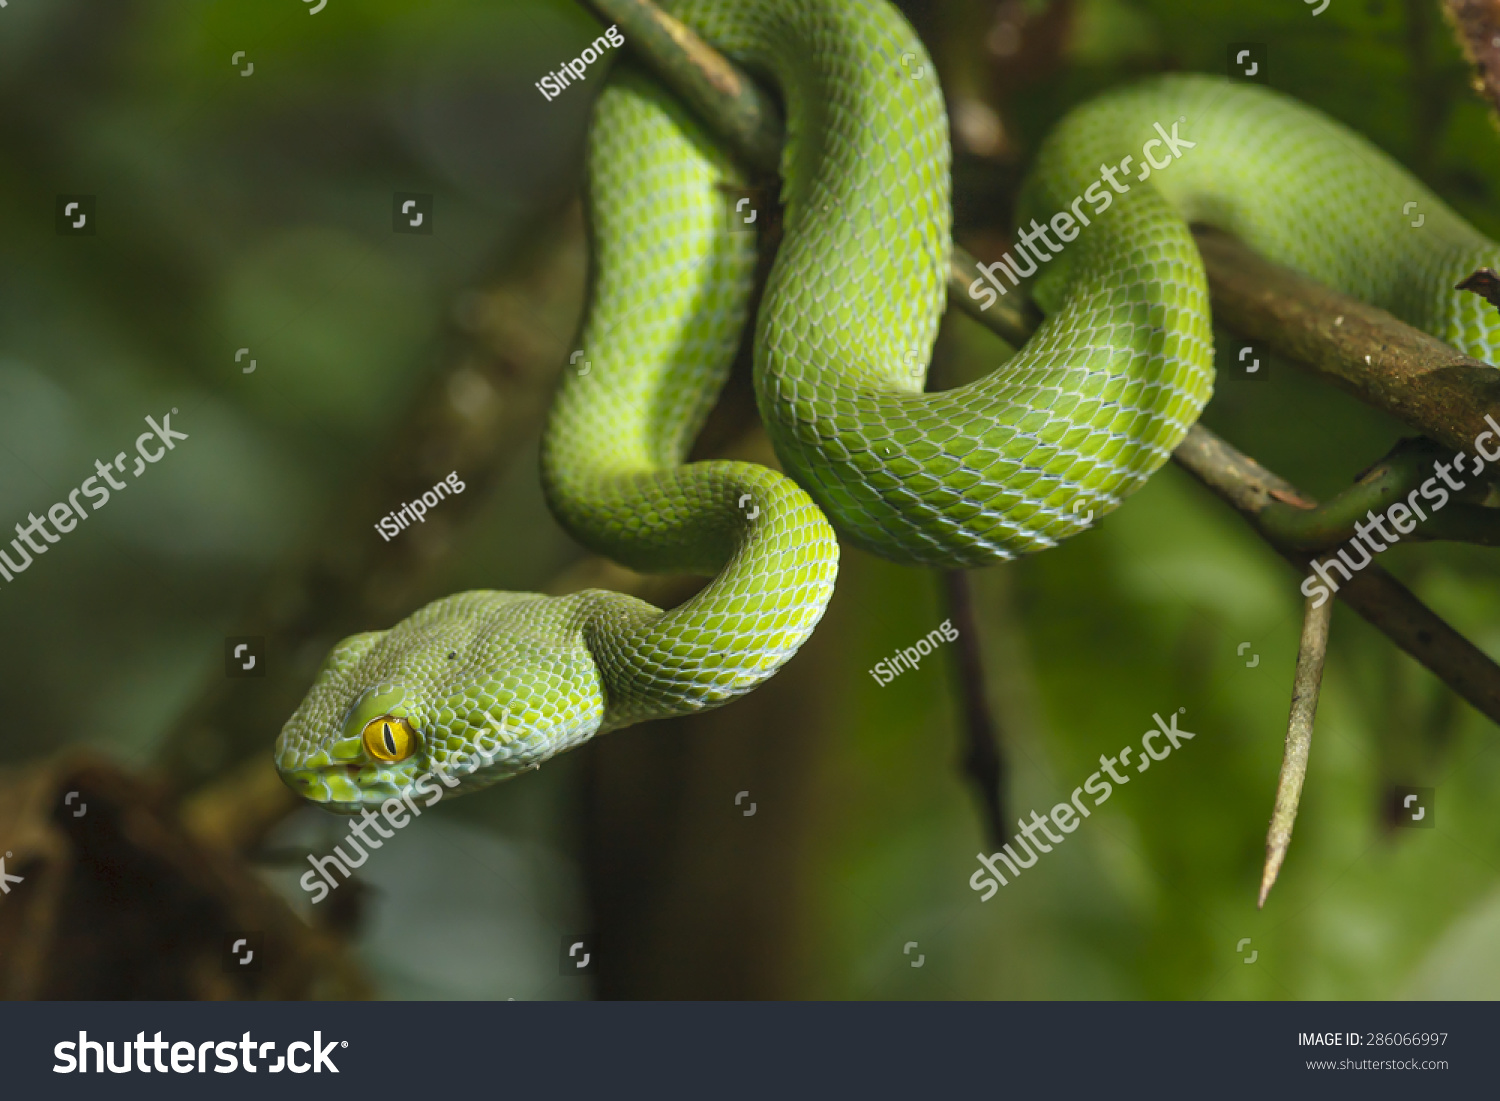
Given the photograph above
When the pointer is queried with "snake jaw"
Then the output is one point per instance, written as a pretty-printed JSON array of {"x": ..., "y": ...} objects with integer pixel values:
[
  {"x": 328, "y": 787},
  {"x": 347, "y": 787}
]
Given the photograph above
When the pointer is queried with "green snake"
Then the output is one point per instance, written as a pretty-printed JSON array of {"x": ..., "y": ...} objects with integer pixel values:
[{"x": 481, "y": 686}]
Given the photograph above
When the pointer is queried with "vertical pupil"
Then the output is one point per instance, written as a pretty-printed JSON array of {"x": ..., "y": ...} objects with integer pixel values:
[{"x": 390, "y": 742}]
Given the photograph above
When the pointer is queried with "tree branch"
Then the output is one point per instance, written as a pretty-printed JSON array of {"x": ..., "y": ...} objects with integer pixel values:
[
  {"x": 733, "y": 105},
  {"x": 1380, "y": 360}
]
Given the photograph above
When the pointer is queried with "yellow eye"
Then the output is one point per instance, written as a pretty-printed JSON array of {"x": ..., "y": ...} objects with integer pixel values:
[{"x": 389, "y": 739}]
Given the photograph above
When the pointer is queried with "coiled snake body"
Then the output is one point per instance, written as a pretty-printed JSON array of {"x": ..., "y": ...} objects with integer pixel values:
[{"x": 484, "y": 685}]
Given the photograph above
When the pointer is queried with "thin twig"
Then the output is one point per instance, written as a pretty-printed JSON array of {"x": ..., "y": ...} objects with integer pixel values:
[
  {"x": 1299, "y": 731},
  {"x": 983, "y": 761}
]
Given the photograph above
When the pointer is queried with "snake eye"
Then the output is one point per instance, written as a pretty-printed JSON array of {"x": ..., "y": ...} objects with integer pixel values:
[{"x": 389, "y": 739}]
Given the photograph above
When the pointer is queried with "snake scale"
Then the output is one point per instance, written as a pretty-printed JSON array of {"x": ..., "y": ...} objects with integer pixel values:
[{"x": 485, "y": 685}]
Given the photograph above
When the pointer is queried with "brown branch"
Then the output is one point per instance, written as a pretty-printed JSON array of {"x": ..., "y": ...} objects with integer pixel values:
[
  {"x": 119, "y": 900},
  {"x": 733, "y": 105},
  {"x": 1010, "y": 320},
  {"x": 1380, "y": 360}
]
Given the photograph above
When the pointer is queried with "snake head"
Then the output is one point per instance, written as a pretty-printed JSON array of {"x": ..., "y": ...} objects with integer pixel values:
[{"x": 470, "y": 690}]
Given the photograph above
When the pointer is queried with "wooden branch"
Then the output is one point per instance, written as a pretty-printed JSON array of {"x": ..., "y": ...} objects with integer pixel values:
[
  {"x": 1010, "y": 320},
  {"x": 120, "y": 901},
  {"x": 1380, "y": 360}
]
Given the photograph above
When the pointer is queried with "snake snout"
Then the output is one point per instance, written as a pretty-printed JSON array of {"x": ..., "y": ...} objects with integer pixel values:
[{"x": 344, "y": 787}]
